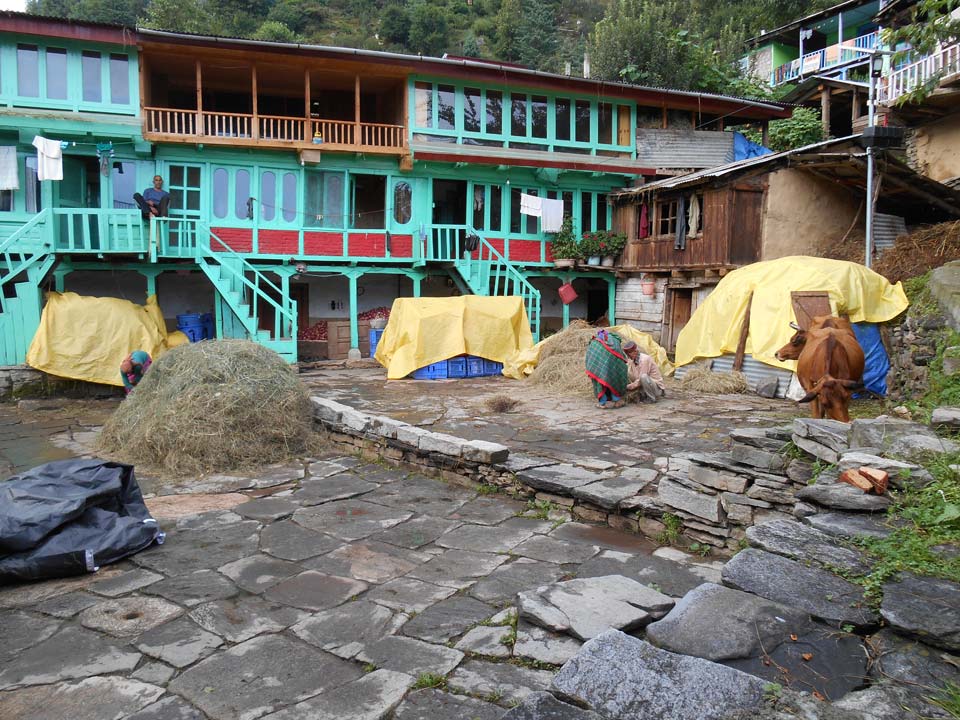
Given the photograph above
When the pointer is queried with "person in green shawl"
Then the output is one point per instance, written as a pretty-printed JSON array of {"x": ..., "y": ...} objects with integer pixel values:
[{"x": 606, "y": 366}]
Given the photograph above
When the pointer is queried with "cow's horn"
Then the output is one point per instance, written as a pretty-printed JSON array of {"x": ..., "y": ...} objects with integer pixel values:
[
  {"x": 809, "y": 397},
  {"x": 852, "y": 384},
  {"x": 795, "y": 326}
]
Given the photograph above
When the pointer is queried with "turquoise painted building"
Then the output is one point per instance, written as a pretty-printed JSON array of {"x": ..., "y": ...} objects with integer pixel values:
[{"x": 307, "y": 183}]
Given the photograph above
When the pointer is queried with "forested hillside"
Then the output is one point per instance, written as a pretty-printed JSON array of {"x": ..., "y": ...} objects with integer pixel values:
[{"x": 679, "y": 43}]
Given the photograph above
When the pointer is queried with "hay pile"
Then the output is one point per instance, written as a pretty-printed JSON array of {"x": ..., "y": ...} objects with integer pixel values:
[
  {"x": 212, "y": 407},
  {"x": 560, "y": 368},
  {"x": 920, "y": 251},
  {"x": 701, "y": 379}
]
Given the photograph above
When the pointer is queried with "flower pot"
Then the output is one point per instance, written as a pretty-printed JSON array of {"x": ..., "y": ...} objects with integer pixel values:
[
  {"x": 564, "y": 262},
  {"x": 648, "y": 287},
  {"x": 593, "y": 260},
  {"x": 608, "y": 261}
]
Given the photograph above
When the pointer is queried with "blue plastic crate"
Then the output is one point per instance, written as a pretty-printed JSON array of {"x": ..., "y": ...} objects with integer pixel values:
[
  {"x": 375, "y": 336},
  {"x": 194, "y": 332},
  {"x": 457, "y": 367},
  {"x": 474, "y": 366},
  {"x": 436, "y": 371},
  {"x": 492, "y": 367}
]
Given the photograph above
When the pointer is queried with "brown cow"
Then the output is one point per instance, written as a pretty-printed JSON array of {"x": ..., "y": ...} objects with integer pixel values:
[{"x": 829, "y": 365}]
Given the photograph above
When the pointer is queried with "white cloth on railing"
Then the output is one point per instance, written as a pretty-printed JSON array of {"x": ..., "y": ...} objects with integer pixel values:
[
  {"x": 49, "y": 159},
  {"x": 551, "y": 219},
  {"x": 9, "y": 176},
  {"x": 531, "y": 205}
]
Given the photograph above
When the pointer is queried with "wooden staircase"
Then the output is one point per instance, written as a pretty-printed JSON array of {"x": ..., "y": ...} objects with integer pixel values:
[{"x": 26, "y": 257}]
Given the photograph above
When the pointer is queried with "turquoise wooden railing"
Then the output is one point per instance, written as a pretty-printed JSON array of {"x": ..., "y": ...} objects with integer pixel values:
[{"x": 100, "y": 231}]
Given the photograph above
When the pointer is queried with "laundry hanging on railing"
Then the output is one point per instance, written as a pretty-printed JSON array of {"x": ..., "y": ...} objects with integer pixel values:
[
  {"x": 49, "y": 158},
  {"x": 680, "y": 237},
  {"x": 693, "y": 217},
  {"x": 531, "y": 205},
  {"x": 9, "y": 175},
  {"x": 105, "y": 156},
  {"x": 551, "y": 215}
]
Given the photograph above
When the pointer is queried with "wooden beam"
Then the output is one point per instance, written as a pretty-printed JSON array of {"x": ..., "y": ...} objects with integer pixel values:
[
  {"x": 255, "y": 130},
  {"x": 765, "y": 133},
  {"x": 356, "y": 109},
  {"x": 825, "y": 110},
  {"x": 744, "y": 331},
  {"x": 913, "y": 190},
  {"x": 199, "y": 129}
]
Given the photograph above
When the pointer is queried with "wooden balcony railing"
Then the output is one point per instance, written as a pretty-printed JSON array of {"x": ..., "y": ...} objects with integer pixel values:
[
  {"x": 907, "y": 78},
  {"x": 272, "y": 130}
]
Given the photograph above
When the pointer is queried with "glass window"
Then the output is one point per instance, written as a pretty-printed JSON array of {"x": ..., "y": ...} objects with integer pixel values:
[
  {"x": 28, "y": 71},
  {"x": 119, "y": 80},
  {"x": 6, "y": 200},
  {"x": 568, "y": 204},
  {"x": 289, "y": 204},
  {"x": 446, "y": 108},
  {"x": 221, "y": 192},
  {"x": 538, "y": 116},
  {"x": 514, "y": 210},
  {"x": 123, "y": 180},
  {"x": 479, "y": 204},
  {"x": 562, "y": 117},
  {"x": 268, "y": 196},
  {"x": 241, "y": 186},
  {"x": 583, "y": 121},
  {"x": 586, "y": 212},
  {"x": 496, "y": 201},
  {"x": 57, "y": 73},
  {"x": 32, "y": 185},
  {"x": 605, "y": 123},
  {"x": 423, "y": 99},
  {"x": 531, "y": 220},
  {"x": 193, "y": 177},
  {"x": 494, "y": 112},
  {"x": 667, "y": 217},
  {"x": 90, "y": 70},
  {"x": 518, "y": 114},
  {"x": 176, "y": 175},
  {"x": 402, "y": 200},
  {"x": 333, "y": 199},
  {"x": 601, "y": 212},
  {"x": 471, "y": 110}
]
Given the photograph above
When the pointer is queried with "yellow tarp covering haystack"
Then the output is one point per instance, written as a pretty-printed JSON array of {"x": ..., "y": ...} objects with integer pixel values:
[
  {"x": 714, "y": 328},
  {"x": 86, "y": 338},
  {"x": 423, "y": 331},
  {"x": 523, "y": 362}
]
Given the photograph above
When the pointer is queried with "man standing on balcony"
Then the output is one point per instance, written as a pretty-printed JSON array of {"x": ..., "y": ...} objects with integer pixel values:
[{"x": 154, "y": 201}]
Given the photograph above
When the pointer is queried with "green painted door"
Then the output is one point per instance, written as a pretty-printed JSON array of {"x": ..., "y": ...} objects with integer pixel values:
[{"x": 183, "y": 184}]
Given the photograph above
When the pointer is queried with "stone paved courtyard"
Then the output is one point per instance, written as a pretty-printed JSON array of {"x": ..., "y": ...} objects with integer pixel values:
[{"x": 333, "y": 588}]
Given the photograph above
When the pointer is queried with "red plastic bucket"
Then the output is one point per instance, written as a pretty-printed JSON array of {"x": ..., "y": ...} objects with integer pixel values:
[{"x": 567, "y": 293}]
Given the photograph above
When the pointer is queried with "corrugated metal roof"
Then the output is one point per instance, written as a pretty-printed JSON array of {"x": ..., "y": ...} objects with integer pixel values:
[
  {"x": 676, "y": 148},
  {"x": 886, "y": 230}
]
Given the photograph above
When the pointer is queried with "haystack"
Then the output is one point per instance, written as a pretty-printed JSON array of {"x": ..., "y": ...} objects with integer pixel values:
[
  {"x": 700, "y": 378},
  {"x": 212, "y": 407},
  {"x": 560, "y": 369}
]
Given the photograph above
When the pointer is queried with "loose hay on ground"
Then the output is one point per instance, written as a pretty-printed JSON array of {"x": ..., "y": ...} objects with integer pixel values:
[
  {"x": 212, "y": 407},
  {"x": 702, "y": 379}
]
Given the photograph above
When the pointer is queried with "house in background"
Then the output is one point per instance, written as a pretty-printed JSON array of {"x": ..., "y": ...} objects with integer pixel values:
[
  {"x": 307, "y": 183},
  {"x": 798, "y": 202}
]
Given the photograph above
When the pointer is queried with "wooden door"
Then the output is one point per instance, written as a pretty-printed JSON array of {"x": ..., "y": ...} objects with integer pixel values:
[
  {"x": 808, "y": 304},
  {"x": 681, "y": 308},
  {"x": 299, "y": 293}
]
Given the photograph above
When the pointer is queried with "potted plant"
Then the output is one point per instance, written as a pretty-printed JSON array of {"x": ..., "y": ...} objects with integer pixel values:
[
  {"x": 564, "y": 248},
  {"x": 611, "y": 244},
  {"x": 590, "y": 247}
]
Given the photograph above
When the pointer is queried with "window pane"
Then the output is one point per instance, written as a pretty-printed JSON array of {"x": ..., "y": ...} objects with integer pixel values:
[
  {"x": 242, "y": 187},
  {"x": 119, "y": 80},
  {"x": 90, "y": 69},
  {"x": 605, "y": 123},
  {"x": 193, "y": 200},
  {"x": 333, "y": 200},
  {"x": 423, "y": 96},
  {"x": 6, "y": 200},
  {"x": 28, "y": 71},
  {"x": 601, "y": 212},
  {"x": 268, "y": 196},
  {"x": 562, "y": 115},
  {"x": 586, "y": 212},
  {"x": 289, "y": 204},
  {"x": 531, "y": 220},
  {"x": 583, "y": 121},
  {"x": 518, "y": 115},
  {"x": 514, "y": 210},
  {"x": 446, "y": 97},
  {"x": 124, "y": 182},
  {"x": 538, "y": 116},
  {"x": 471, "y": 110},
  {"x": 402, "y": 194},
  {"x": 193, "y": 177},
  {"x": 221, "y": 188},
  {"x": 32, "y": 185},
  {"x": 568, "y": 204},
  {"x": 494, "y": 112},
  {"x": 176, "y": 175},
  {"x": 479, "y": 202},
  {"x": 495, "y": 207},
  {"x": 56, "y": 74}
]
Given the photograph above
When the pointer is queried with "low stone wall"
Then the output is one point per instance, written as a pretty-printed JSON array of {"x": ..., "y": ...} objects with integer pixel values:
[
  {"x": 912, "y": 346},
  {"x": 22, "y": 381},
  {"x": 16, "y": 380}
]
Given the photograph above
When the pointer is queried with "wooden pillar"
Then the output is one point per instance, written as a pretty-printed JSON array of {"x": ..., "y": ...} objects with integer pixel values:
[
  {"x": 765, "y": 133},
  {"x": 825, "y": 110},
  {"x": 356, "y": 109},
  {"x": 255, "y": 130},
  {"x": 855, "y": 106},
  {"x": 308, "y": 126},
  {"x": 199, "y": 128},
  {"x": 663, "y": 117}
]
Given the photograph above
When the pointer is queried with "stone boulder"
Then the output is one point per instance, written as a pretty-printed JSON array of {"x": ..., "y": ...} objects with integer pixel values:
[
  {"x": 624, "y": 678},
  {"x": 910, "y": 662},
  {"x": 830, "y": 433},
  {"x": 850, "y": 525},
  {"x": 802, "y": 542},
  {"x": 718, "y": 623},
  {"x": 948, "y": 417},
  {"x": 925, "y": 608},
  {"x": 843, "y": 497},
  {"x": 587, "y": 607},
  {"x": 897, "y": 438}
]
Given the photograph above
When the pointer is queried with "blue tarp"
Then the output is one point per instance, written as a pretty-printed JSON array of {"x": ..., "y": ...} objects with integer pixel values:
[
  {"x": 743, "y": 148},
  {"x": 876, "y": 363}
]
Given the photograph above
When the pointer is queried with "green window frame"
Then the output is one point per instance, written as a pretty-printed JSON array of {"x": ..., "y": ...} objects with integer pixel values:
[{"x": 325, "y": 195}]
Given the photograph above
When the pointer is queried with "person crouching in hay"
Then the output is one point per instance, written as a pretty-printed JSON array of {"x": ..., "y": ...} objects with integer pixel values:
[
  {"x": 132, "y": 369},
  {"x": 606, "y": 367},
  {"x": 645, "y": 383}
]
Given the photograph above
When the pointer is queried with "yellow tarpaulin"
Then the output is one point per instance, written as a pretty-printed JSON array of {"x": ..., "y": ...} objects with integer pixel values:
[
  {"x": 714, "y": 328},
  {"x": 423, "y": 331},
  {"x": 86, "y": 338},
  {"x": 522, "y": 363}
]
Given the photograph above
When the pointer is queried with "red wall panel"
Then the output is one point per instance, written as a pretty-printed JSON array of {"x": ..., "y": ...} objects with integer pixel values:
[
  {"x": 279, "y": 242},
  {"x": 367, "y": 245},
  {"x": 524, "y": 251},
  {"x": 323, "y": 243},
  {"x": 238, "y": 239}
]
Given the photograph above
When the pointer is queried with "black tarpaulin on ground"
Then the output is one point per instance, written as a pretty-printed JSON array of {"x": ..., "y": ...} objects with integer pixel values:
[{"x": 70, "y": 517}]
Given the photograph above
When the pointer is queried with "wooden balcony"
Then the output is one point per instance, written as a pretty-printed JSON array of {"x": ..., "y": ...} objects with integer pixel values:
[{"x": 222, "y": 128}]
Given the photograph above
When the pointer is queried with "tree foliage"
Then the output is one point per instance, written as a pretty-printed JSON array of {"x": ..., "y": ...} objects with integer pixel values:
[
  {"x": 429, "y": 29},
  {"x": 803, "y": 128}
]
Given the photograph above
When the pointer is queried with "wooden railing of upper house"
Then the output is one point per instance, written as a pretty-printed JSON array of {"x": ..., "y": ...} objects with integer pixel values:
[
  {"x": 272, "y": 131},
  {"x": 935, "y": 67}
]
